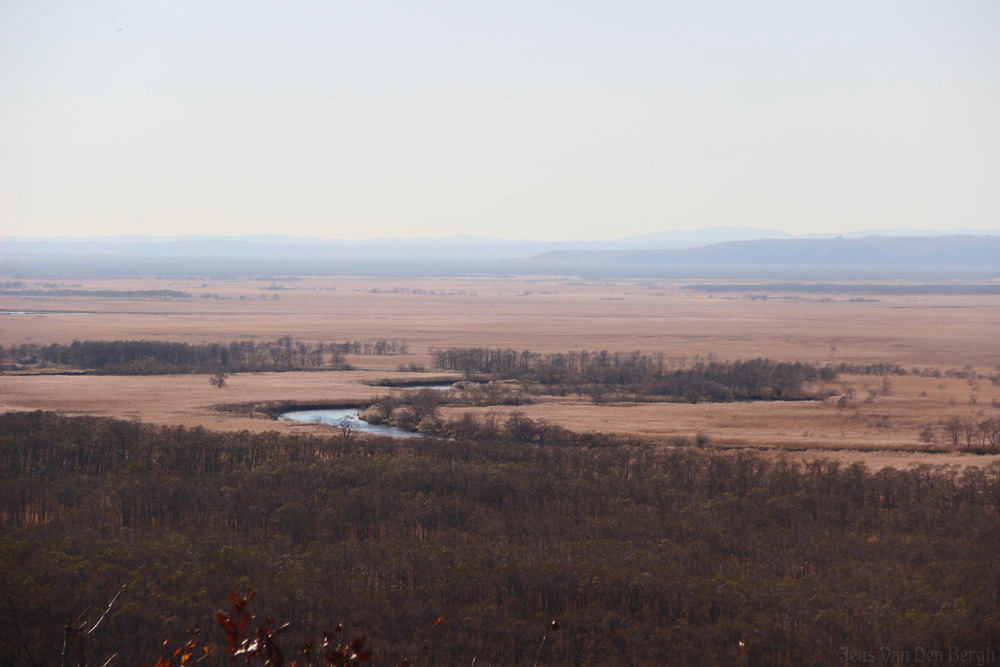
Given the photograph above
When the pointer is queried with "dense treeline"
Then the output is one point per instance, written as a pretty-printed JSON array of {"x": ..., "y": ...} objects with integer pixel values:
[
  {"x": 143, "y": 357},
  {"x": 879, "y": 368},
  {"x": 644, "y": 555},
  {"x": 102, "y": 293},
  {"x": 638, "y": 373},
  {"x": 852, "y": 288}
]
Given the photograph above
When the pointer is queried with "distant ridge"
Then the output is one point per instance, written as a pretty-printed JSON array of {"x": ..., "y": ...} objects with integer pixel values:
[
  {"x": 948, "y": 257},
  {"x": 956, "y": 250},
  {"x": 459, "y": 245},
  {"x": 692, "y": 238}
]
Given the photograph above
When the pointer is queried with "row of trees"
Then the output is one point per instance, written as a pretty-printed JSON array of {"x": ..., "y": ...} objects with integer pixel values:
[
  {"x": 852, "y": 288},
  {"x": 971, "y": 434},
  {"x": 155, "y": 294},
  {"x": 878, "y": 368},
  {"x": 378, "y": 347},
  {"x": 638, "y": 373},
  {"x": 138, "y": 357},
  {"x": 644, "y": 555}
]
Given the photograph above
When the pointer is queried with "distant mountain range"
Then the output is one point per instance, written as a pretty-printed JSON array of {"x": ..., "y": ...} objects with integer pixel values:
[
  {"x": 958, "y": 251},
  {"x": 454, "y": 247},
  {"x": 684, "y": 254},
  {"x": 700, "y": 237}
]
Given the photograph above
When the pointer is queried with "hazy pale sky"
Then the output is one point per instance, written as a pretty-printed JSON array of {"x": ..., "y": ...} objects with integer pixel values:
[{"x": 546, "y": 120}]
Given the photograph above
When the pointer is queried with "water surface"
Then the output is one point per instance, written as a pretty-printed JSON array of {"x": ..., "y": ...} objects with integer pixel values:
[
  {"x": 416, "y": 387},
  {"x": 344, "y": 416}
]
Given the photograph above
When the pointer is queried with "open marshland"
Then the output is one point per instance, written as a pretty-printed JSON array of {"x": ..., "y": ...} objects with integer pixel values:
[{"x": 951, "y": 336}]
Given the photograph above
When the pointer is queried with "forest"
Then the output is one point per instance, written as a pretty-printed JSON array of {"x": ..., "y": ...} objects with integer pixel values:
[
  {"x": 146, "y": 357},
  {"x": 472, "y": 545}
]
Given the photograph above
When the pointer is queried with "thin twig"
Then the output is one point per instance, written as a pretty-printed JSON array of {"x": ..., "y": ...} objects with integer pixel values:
[
  {"x": 538, "y": 656},
  {"x": 62, "y": 656},
  {"x": 551, "y": 627},
  {"x": 105, "y": 614},
  {"x": 79, "y": 619}
]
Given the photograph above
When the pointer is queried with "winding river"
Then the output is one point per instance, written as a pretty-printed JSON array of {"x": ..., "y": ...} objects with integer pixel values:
[{"x": 349, "y": 416}]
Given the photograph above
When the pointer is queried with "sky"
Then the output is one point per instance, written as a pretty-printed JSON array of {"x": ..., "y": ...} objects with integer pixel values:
[{"x": 514, "y": 119}]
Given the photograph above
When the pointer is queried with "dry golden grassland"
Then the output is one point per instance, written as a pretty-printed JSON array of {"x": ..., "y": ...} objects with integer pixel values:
[
  {"x": 188, "y": 400},
  {"x": 544, "y": 315}
]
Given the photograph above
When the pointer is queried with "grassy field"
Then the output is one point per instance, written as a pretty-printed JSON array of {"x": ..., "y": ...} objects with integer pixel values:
[{"x": 544, "y": 315}]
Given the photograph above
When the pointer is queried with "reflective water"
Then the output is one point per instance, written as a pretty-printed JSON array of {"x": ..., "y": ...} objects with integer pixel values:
[
  {"x": 348, "y": 416},
  {"x": 417, "y": 387}
]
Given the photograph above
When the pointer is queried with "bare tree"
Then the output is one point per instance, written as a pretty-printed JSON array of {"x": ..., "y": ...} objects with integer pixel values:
[
  {"x": 990, "y": 432},
  {"x": 347, "y": 427},
  {"x": 492, "y": 420},
  {"x": 969, "y": 430},
  {"x": 953, "y": 430}
]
